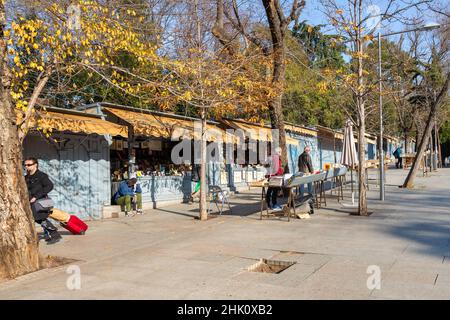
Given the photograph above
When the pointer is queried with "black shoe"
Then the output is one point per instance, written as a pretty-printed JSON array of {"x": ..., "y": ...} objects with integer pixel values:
[
  {"x": 54, "y": 237},
  {"x": 53, "y": 240}
]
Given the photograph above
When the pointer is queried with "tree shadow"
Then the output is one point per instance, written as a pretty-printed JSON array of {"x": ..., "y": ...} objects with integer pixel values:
[{"x": 434, "y": 237}]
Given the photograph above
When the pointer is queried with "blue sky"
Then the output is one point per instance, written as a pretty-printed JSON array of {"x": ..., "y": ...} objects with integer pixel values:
[{"x": 313, "y": 13}]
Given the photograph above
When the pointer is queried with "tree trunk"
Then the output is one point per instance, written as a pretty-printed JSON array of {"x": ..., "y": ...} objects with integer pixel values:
[
  {"x": 430, "y": 147},
  {"x": 24, "y": 126},
  {"x": 278, "y": 25},
  {"x": 406, "y": 141},
  {"x": 435, "y": 146},
  {"x": 362, "y": 205},
  {"x": 362, "y": 188},
  {"x": 277, "y": 31},
  {"x": 18, "y": 241},
  {"x": 409, "y": 181},
  {"x": 417, "y": 140},
  {"x": 277, "y": 122},
  {"x": 203, "y": 184},
  {"x": 441, "y": 160}
]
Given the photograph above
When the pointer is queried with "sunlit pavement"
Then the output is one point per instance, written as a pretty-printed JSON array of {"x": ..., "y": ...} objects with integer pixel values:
[{"x": 401, "y": 251}]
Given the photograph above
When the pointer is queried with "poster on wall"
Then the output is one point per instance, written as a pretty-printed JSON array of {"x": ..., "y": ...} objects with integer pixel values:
[
  {"x": 223, "y": 177},
  {"x": 119, "y": 145},
  {"x": 238, "y": 176},
  {"x": 155, "y": 145},
  {"x": 260, "y": 175}
]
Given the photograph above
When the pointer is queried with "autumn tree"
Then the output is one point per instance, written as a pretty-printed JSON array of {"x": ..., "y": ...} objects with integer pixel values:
[
  {"x": 204, "y": 76},
  {"x": 18, "y": 240},
  {"x": 237, "y": 29},
  {"x": 358, "y": 29},
  {"x": 400, "y": 75},
  {"x": 435, "y": 89},
  {"x": 33, "y": 48},
  {"x": 311, "y": 57}
]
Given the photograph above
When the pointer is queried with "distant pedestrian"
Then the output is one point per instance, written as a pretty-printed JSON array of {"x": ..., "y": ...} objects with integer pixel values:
[
  {"x": 398, "y": 157},
  {"x": 39, "y": 186}
]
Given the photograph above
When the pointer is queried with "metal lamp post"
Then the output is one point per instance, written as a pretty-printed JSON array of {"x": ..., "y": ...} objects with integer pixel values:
[
  {"x": 380, "y": 106},
  {"x": 429, "y": 26}
]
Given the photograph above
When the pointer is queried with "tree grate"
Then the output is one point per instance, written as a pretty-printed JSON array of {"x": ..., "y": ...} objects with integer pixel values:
[{"x": 270, "y": 266}]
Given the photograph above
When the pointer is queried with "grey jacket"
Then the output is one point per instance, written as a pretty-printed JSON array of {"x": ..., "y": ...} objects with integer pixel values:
[{"x": 305, "y": 163}]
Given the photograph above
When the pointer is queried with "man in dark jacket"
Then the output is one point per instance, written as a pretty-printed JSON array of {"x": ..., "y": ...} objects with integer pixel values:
[
  {"x": 305, "y": 166},
  {"x": 398, "y": 157},
  {"x": 39, "y": 186},
  {"x": 305, "y": 162}
]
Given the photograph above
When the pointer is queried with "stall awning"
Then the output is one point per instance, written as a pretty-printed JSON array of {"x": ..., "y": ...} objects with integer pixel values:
[
  {"x": 300, "y": 130},
  {"x": 290, "y": 140},
  {"x": 251, "y": 130},
  {"x": 339, "y": 136},
  {"x": 371, "y": 140},
  {"x": 76, "y": 122},
  {"x": 330, "y": 132},
  {"x": 161, "y": 126},
  {"x": 255, "y": 131}
]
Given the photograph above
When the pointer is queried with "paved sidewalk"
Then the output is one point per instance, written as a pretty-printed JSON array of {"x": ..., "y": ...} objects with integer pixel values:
[{"x": 166, "y": 254}]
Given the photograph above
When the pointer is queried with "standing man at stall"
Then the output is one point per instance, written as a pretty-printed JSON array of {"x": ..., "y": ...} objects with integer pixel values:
[{"x": 305, "y": 166}]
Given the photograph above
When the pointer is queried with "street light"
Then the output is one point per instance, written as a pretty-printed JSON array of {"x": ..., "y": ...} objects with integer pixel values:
[{"x": 427, "y": 27}]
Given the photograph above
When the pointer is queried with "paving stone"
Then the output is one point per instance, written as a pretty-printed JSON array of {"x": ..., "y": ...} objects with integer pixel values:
[{"x": 166, "y": 254}]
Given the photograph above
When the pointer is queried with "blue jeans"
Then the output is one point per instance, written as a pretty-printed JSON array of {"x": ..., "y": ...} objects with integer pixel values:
[
  {"x": 310, "y": 189},
  {"x": 271, "y": 196}
]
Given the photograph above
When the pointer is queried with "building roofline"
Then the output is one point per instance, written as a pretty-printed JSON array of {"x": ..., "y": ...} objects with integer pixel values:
[
  {"x": 138, "y": 110},
  {"x": 69, "y": 111}
]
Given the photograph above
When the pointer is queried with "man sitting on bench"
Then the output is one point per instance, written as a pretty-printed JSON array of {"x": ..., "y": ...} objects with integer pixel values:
[{"x": 129, "y": 192}]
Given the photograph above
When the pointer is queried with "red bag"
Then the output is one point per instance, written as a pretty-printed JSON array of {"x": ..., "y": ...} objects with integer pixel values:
[{"x": 75, "y": 225}]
